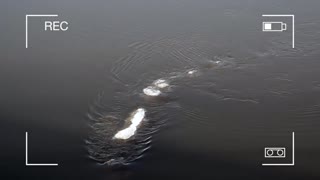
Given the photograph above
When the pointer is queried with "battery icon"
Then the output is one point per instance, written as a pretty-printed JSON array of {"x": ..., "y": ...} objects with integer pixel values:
[{"x": 274, "y": 26}]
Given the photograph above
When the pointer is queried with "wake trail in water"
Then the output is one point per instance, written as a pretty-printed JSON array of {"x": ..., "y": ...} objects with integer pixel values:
[{"x": 123, "y": 123}]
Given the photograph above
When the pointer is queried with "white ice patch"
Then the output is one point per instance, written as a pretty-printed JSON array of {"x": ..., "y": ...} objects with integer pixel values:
[
  {"x": 161, "y": 83},
  {"x": 136, "y": 118},
  {"x": 151, "y": 91}
]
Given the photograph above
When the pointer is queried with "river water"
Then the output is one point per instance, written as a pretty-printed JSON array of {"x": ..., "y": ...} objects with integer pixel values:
[{"x": 72, "y": 91}]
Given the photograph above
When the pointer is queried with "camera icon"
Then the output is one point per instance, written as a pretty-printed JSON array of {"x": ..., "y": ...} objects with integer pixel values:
[{"x": 274, "y": 152}]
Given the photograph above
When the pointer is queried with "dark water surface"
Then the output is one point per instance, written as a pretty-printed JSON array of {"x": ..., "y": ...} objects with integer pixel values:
[{"x": 73, "y": 90}]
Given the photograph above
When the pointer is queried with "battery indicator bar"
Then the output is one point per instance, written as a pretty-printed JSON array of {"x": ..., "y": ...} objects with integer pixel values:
[{"x": 274, "y": 26}]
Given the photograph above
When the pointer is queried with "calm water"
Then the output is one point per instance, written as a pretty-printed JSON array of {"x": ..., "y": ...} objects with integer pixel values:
[{"x": 73, "y": 90}]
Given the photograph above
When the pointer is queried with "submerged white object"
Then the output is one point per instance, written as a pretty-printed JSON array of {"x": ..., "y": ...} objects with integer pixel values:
[
  {"x": 136, "y": 117},
  {"x": 192, "y": 72},
  {"x": 151, "y": 91},
  {"x": 161, "y": 83},
  {"x": 126, "y": 133}
]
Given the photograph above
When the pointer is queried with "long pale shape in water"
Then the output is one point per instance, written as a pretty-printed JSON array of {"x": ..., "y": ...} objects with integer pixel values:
[
  {"x": 161, "y": 83},
  {"x": 136, "y": 118},
  {"x": 151, "y": 91}
]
